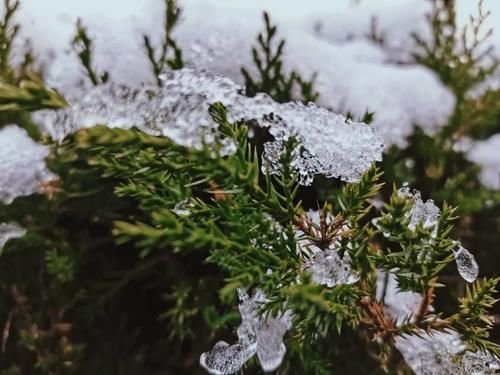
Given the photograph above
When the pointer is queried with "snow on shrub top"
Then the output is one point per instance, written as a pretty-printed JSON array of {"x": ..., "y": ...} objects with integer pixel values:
[{"x": 332, "y": 145}]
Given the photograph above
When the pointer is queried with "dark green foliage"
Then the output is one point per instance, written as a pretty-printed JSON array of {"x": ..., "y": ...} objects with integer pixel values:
[
  {"x": 82, "y": 44},
  {"x": 30, "y": 95},
  {"x": 168, "y": 45},
  {"x": 473, "y": 318},
  {"x": 8, "y": 32},
  {"x": 268, "y": 58}
]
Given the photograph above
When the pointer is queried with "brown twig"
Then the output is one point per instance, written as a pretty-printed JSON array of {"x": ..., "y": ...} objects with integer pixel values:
[{"x": 6, "y": 331}]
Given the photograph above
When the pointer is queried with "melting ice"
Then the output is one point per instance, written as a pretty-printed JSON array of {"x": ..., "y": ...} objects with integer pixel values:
[
  {"x": 332, "y": 145},
  {"x": 256, "y": 334},
  {"x": 22, "y": 164},
  {"x": 425, "y": 213},
  {"x": 329, "y": 269}
]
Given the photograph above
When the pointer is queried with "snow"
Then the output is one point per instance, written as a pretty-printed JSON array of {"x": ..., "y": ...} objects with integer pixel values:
[
  {"x": 431, "y": 354},
  {"x": 399, "y": 305},
  {"x": 9, "y": 231},
  {"x": 332, "y": 145},
  {"x": 22, "y": 164},
  {"x": 352, "y": 75},
  {"x": 487, "y": 155}
]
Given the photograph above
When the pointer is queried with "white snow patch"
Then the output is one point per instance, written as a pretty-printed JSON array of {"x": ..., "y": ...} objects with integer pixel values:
[{"x": 22, "y": 164}]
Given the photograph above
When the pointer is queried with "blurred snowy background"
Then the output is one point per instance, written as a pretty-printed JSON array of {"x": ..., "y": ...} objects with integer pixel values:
[{"x": 331, "y": 41}]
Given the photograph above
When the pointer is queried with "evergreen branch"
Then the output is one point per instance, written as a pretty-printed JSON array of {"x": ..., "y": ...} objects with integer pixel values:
[
  {"x": 353, "y": 198},
  {"x": 7, "y": 34},
  {"x": 272, "y": 80},
  {"x": 472, "y": 320},
  {"x": 30, "y": 95},
  {"x": 82, "y": 44},
  {"x": 168, "y": 45}
]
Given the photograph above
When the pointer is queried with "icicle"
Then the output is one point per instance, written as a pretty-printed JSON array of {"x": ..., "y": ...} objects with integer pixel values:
[
  {"x": 466, "y": 263},
  {"x": 9, "y": 231}
]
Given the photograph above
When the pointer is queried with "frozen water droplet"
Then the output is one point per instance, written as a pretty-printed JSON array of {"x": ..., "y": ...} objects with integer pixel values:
[
  {"x": 9, "y": 231},
  {"x": 183, "y": 208},
  {"x": 225, "y": 359},
  {"x": 328, "y": 268},
  {"x": 22, "y": 164},
  {"x": 466, "y": 263}
]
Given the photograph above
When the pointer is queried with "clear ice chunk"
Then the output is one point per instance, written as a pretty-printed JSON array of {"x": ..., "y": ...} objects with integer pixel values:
[
  {"x": 329, "y": 269},
  {"x": 425, "y": 213},
  {"x": 9, "y": 231},
  {"x": 225, "y": 359},
  {"x": 332, "y": 145},
  {"x": 269, "y": 330},
  {"x": 466, "y": 263},
  {"x": 183, "y": 208},
  {"x": 22, "y": 164}
]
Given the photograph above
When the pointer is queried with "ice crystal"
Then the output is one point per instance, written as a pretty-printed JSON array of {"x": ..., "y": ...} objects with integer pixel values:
[
  {"x": 9, "y": 231},
  {"x": 22, "y": 164},
  {"x": 329, "y": 269},
  {"x": 331, "y": 144},
  {"x": 425, "y": 213},
  {"x": 256, "y": 334},
  {"x": 225, "y": 359},
  {"x": 466, "y": 263}
]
